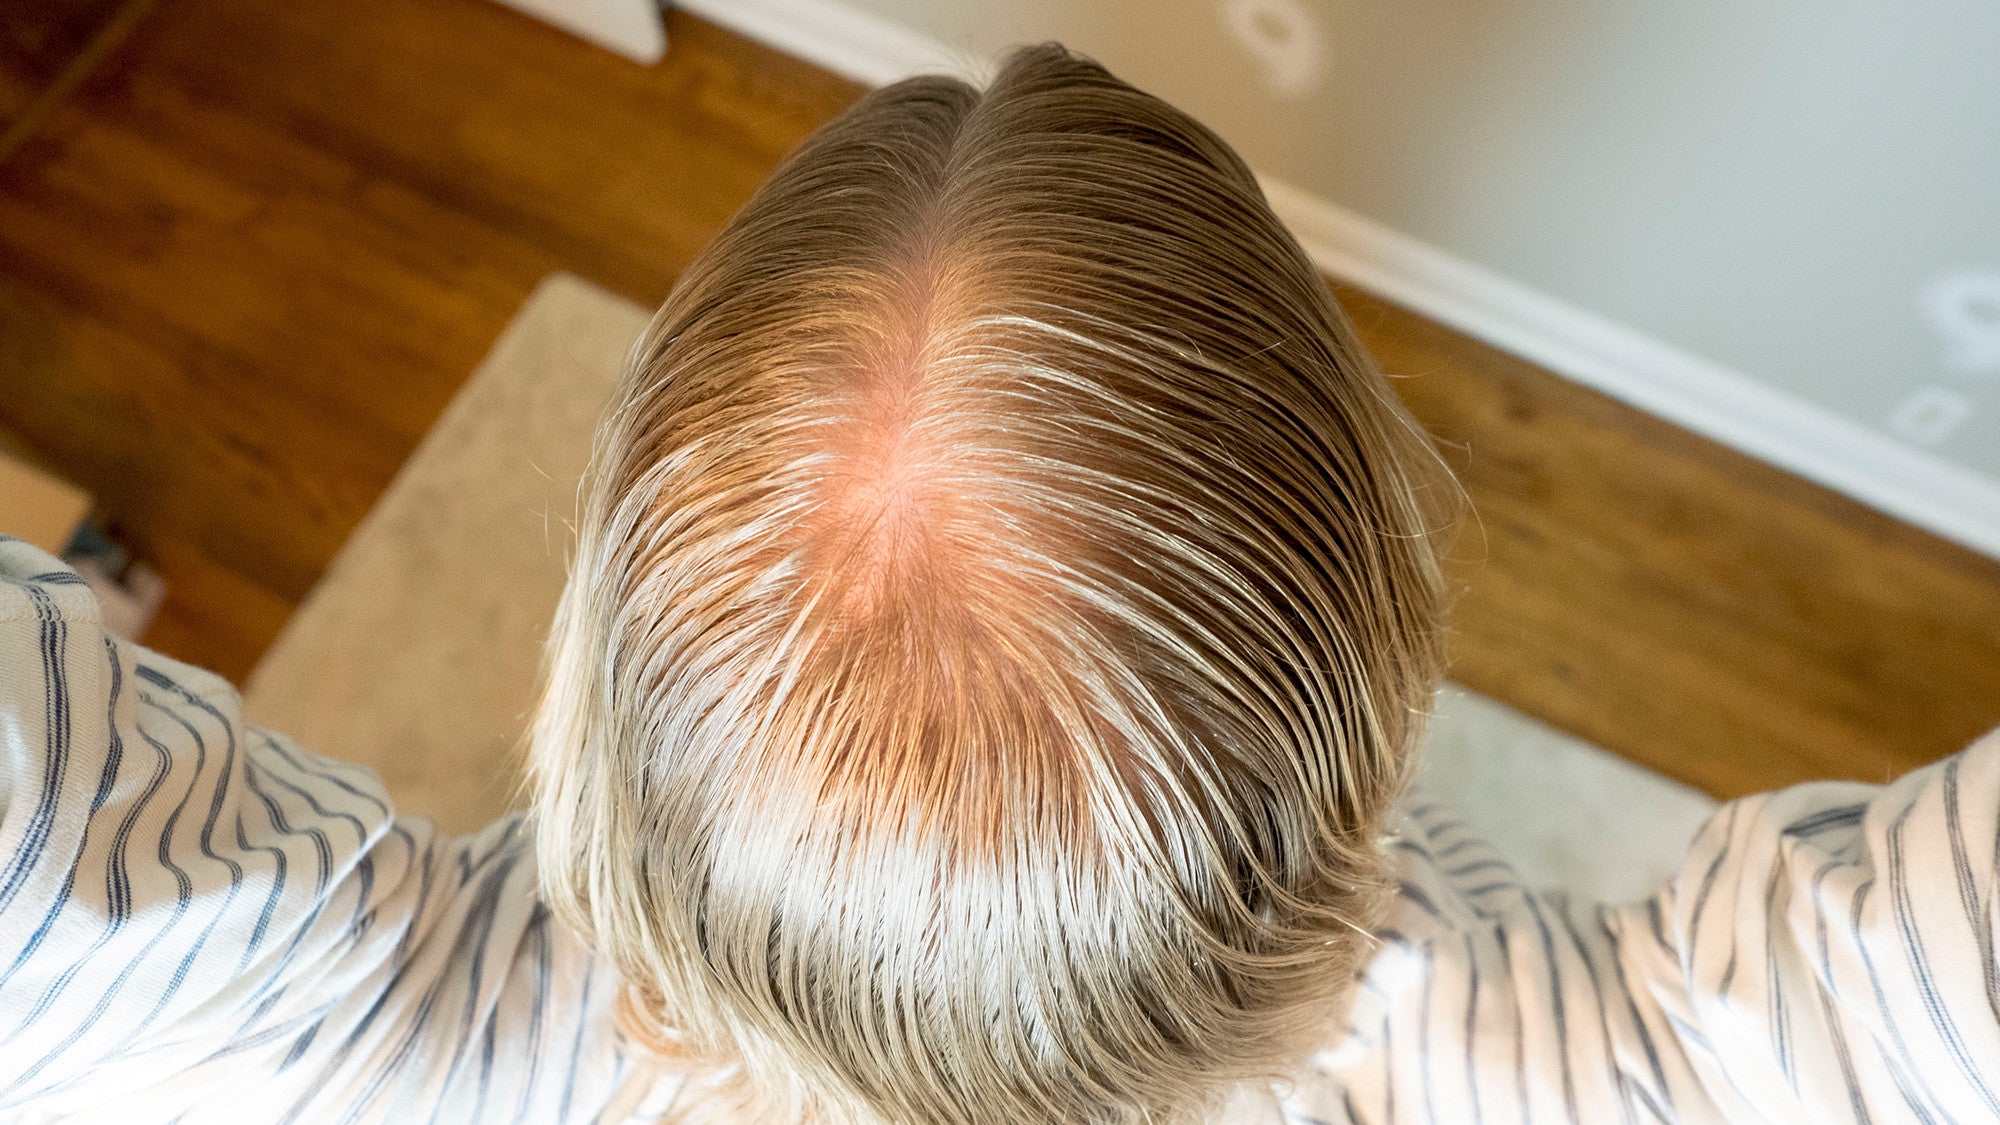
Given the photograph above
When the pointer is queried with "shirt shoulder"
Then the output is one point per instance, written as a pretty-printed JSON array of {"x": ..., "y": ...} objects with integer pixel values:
[{"x": 199, "y": 915}]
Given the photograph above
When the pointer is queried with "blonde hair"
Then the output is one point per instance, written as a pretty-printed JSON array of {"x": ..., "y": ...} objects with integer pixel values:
[{"x": 1004, "y": 604}]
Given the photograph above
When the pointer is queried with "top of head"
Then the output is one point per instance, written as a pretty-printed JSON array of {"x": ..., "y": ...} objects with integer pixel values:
[{"x": 1002, "y": 602}]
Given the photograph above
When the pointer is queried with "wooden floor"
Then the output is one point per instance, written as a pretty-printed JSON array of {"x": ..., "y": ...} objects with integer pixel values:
[{"x": 246, "y": 261}]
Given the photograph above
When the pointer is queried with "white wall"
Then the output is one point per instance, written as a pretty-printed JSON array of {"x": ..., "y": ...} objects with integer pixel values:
[{"x": 1777, "y": 223}]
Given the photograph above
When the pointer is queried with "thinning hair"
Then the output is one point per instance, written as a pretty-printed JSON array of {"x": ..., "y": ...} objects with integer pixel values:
[{"x": 1004, "y": 604}]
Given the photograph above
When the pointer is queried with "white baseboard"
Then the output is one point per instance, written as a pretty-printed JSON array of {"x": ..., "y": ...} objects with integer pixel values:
[
  {"x": 1629, "y": 365},
  {"x": 1703, "y": 396},
  {"x": 846, "y": 40},
  {"x": 632, "y": 28}
]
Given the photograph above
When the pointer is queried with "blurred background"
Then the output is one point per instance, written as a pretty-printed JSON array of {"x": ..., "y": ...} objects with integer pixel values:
[
  {"x": 1704, "y": 300},
  {"x": 1796, "y": 196}
]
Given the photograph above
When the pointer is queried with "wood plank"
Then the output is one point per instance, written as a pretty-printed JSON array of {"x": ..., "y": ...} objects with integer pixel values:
[
  {"x": 626, "y": 168},
  {"x": 245, "y": 266},
  {"x": 234, "y": 301},
  {"x": 1692, "y": 608},
  {"x": 38, "y": 40}
]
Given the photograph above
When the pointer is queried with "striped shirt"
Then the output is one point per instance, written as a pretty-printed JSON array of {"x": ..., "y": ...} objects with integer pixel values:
[
  {"x": 1826, "y": 954},
  {"x": 201, "y": 921}
]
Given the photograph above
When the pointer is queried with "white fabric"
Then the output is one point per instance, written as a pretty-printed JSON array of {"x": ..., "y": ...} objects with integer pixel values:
[
  {"x": 1568, "y": 815},
  {"x": 201, "y": 921},
  {"x": 1824, "y": 955}
]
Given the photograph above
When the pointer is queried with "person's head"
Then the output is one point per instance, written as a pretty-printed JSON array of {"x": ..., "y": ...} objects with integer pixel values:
[{"x": 1003, "y": 610}]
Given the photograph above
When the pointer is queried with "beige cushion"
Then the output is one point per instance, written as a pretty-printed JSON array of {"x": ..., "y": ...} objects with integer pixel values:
[{"x": 417, "y": 654}]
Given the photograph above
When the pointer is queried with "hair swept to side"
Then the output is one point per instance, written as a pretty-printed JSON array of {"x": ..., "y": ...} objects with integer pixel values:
[{"x": 1004, "y": 607}]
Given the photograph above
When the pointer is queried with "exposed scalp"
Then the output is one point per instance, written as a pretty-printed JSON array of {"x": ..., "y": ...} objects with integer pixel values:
[
  {"x": 1004, "y": 600},
  {"x": 893, "y": 525}
]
